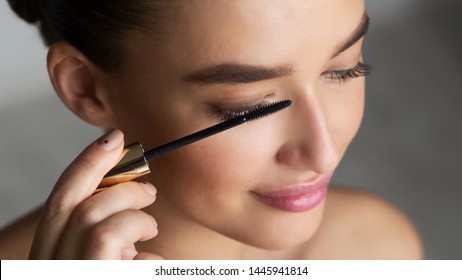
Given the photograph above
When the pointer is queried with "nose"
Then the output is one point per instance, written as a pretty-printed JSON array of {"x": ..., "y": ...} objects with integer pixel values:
[{"x": 309, "y": 144}]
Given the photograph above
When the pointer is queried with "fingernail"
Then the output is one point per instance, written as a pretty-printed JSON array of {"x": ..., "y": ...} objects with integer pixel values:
[
  {"x": 150, "y": 189},
  {"x": 111, "y": 140}
]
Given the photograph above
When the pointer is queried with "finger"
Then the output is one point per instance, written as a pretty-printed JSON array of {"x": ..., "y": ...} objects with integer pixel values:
[
  {"x": 147, "y": 256},
  {"x": 120, "y": 197},
  {"x": 77, "y": 182},
  {"x": 128, "y": 195},
  {"x": 108, "y": 239},
  {"x": 129, "y": 253}
]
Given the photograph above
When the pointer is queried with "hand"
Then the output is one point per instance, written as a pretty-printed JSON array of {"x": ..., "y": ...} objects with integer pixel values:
[{"x": 77, "y": 224}]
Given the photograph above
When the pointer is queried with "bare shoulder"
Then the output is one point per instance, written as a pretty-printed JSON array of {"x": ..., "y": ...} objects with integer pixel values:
[
  {"x": 16, "y": 238},
  {"x": 360, "y": 225}
]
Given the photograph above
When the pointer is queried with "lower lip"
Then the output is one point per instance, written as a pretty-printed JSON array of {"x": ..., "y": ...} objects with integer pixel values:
[{"x": 297, "y": 198}]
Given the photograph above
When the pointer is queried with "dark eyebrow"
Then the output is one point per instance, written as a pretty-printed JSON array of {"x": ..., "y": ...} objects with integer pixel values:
[
  {"x": 359, "y": 32},
  {"x": 238, "y": 74}
]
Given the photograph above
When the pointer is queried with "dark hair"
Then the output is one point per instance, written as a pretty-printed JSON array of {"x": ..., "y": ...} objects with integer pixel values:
[{"x": 95, "y": 27}]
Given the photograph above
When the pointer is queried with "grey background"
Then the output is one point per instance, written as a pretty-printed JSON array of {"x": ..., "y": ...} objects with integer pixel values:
[{"x": 407, "y": 151}]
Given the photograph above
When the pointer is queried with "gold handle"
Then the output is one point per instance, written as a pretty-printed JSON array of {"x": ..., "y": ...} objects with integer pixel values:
[{"x": 131, "y": 165}]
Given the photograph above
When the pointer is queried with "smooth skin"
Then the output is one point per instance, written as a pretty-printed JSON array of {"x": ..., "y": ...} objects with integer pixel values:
[
  {"x": 370, "y": 227},
  {"x": 205, "y": 205}
]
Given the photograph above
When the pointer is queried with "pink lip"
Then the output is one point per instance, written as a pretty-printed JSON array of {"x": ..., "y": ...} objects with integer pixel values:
[{"x": 298, "y": 197}]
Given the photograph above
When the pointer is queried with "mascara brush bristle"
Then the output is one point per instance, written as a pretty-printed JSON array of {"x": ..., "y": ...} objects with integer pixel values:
[{"x": 267, "y": 110}]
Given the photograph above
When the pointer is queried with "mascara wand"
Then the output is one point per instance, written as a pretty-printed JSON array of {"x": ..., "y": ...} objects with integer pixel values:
[{"x": 134, "y": 160}]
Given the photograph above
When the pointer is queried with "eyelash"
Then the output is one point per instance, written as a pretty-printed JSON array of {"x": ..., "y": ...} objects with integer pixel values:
[
  {"x": 226, "y": 114},
  {"x": 360, "y": 70}
]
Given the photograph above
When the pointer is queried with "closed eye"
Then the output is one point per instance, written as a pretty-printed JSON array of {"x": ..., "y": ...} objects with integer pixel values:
[{"x": 360, "y": 70}]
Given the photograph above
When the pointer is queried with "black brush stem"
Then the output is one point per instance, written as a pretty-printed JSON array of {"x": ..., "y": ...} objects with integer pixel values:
[{"x": 250, "y": 116}]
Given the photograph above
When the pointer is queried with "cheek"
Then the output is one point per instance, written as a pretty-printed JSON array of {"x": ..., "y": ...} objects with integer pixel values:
[{"x": 217, "y": 171}]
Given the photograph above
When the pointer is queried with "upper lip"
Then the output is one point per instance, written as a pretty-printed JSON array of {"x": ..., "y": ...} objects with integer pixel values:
[{"x": 293, "y": 189}]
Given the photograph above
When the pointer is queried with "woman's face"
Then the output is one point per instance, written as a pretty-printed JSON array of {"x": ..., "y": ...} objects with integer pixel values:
[{"x": 253, "y": 183}]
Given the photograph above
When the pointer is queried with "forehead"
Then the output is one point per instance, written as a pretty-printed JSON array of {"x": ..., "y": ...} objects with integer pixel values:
[{"x": 200, "y": 33}]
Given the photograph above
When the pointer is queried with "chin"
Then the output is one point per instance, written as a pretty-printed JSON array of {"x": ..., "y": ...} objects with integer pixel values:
[
  {"x": 285, "y": 232},
  {"x": 283, "y": 241}
]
